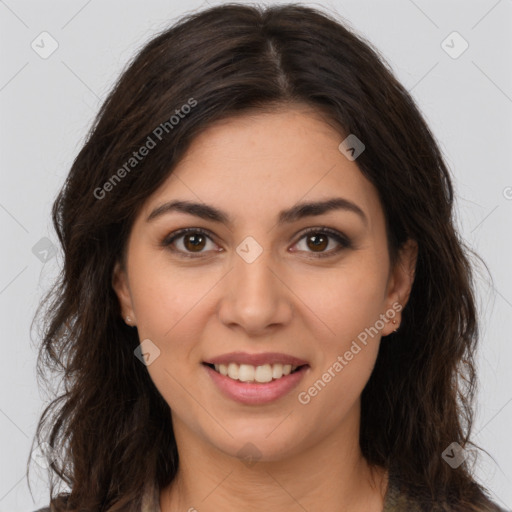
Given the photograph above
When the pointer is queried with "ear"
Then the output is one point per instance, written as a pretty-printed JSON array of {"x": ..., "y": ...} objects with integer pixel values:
[
  {"x": 400, "y": 284},
  {"x": 122, "y": 289}
]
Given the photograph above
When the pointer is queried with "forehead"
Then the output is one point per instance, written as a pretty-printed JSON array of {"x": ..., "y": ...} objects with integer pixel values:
[{"x": 257, "y": 164}]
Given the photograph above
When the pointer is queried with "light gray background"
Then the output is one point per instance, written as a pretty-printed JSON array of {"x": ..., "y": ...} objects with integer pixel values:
[{"x": 47, "y": 106}]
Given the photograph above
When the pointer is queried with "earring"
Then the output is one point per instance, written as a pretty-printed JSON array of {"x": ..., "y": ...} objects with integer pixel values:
[
  {"x": 394, "y": 322},
  {"x": 128, "y": 319}
]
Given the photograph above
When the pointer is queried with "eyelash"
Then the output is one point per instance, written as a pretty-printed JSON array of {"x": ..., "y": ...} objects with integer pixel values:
[{"x": 344, "y": 242}]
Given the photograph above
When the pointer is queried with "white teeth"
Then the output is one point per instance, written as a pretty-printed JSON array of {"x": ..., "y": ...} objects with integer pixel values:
[
  {"x": 263, "y": 373},
  {"x": 232, "y": 370},
  {"x": 250, "y": 373},
  {"x": 277, "y": 371},
  {"x": 246, "y": 373}
]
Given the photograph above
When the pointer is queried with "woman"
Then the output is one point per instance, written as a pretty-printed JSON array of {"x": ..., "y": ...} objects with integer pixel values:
[{"x": 264, "y": 303}]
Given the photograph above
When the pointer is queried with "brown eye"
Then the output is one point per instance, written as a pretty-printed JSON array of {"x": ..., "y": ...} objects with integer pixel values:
[
  {"x": 317, "y": 240},
  {"x": 189, "y": 242},
  {"x": 194, "y": 242}
]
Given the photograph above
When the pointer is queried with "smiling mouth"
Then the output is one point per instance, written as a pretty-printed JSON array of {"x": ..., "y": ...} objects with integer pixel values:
[{"x": 255, "y": 374}]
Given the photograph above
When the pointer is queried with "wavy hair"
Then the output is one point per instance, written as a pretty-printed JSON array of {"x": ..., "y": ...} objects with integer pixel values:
[{"x": 109, "y": 431}]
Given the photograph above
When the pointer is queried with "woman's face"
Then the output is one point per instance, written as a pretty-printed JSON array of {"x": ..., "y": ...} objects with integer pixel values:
[{"x": 254, "y": 281}]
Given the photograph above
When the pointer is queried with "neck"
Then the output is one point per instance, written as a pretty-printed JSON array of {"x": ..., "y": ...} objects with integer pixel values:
[{"x": 331, "y": 475}]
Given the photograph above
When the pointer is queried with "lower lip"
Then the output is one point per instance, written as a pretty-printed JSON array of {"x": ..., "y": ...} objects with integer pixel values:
[{"x": 251, "y": 393}]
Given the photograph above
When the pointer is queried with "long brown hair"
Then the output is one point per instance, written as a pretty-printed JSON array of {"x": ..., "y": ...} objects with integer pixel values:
[{"x": 110, "y": 430}]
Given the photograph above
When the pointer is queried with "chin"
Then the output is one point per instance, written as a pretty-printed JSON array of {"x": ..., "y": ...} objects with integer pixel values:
[{"x": 260, "y": 444}]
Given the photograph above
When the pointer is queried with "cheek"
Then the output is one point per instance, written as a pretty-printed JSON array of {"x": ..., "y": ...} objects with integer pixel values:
[
  {"x": 347, "y": 355},
  {"x": 168, "y": 304},
  {"x": 348, "y": 302},
  {"x": 166, "y": 297},
  {"x": 345, "y": 301}
]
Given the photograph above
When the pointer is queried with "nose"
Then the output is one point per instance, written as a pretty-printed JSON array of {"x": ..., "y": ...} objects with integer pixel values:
[{"x": 255, "y": 297}]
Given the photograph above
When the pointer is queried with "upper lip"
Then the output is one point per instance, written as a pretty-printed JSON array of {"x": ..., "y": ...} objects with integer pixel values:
[{"x": 256, "y": 359}]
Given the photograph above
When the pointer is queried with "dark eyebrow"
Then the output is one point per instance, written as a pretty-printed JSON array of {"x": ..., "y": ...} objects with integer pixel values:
[{"x": 293, "y": 214}]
